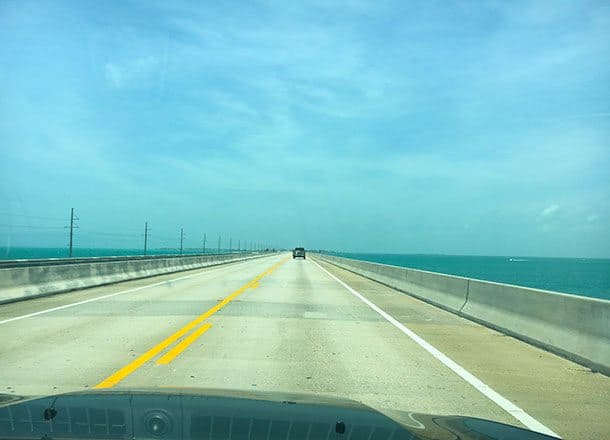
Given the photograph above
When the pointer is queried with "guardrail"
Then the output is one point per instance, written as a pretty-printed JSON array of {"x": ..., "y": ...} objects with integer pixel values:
[
  {"x": 27, "y": 279},
  {"x": 572, "y": 326},
  {"x": 28, "y": 262}
]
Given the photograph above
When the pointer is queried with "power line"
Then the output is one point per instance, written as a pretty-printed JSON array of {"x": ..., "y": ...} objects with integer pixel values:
[
  {"x": 145, "y": 237},
  {"x": 108, "y": 234},
  {"x": 181, "y": 239},
  {"x": 72, "y": 219},
  {"x": 32, "y": 226},
  {"x": 124, "y": 236},
  {"x": 11, "y": 214}
]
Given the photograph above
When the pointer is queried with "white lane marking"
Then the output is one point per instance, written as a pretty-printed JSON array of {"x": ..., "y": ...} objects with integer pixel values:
[
  {"x": 484, "y": 389},
  {"x": 97, "y": 298}
]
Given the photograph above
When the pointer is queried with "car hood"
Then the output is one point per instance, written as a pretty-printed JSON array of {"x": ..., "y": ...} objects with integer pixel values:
[{"x": 185, "y": 413}]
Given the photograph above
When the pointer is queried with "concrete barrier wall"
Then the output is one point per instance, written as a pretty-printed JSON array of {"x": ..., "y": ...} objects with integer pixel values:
[
  {"x": 392, "y": 276},
  {"x": 20, "y": 283},
  {"x": 446, "y": 291},
  {"x": 573, "y": 326}
]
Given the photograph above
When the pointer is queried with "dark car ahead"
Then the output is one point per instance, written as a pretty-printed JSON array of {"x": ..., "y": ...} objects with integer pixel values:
[{"x": 298, "y": 252}]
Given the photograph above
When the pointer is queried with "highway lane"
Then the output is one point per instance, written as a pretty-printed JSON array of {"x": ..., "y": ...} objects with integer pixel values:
[
  {"x": 277, "y": 324},
  {"x": 77, "y": 346}
]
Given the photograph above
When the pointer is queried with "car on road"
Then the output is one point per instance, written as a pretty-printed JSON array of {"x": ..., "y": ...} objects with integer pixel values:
[{"x": 298, "y": 252}]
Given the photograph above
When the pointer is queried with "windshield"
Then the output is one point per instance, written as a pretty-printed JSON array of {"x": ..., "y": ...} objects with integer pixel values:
[{"x": 401, "y": 203}]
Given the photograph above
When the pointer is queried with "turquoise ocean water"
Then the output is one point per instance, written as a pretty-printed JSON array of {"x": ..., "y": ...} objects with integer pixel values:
[
  {"x": 15, "y": 253},
  {"x": 580, "y": 276}
]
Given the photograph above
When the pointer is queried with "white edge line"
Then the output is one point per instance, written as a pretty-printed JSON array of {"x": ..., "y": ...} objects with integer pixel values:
[
  {"x": 122, "y": 292},
  {"x": 484, "y": 389}
]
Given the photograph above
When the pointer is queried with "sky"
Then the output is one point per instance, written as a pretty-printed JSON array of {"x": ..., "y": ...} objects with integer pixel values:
[{"x": 466, "y": 127}]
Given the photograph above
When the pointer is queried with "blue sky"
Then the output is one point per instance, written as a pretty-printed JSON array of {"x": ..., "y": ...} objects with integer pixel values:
[{"x": 420, "y": 127}]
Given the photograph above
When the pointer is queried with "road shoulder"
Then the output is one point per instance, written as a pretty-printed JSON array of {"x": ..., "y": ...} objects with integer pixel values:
[{"x": 565, "y": 396}]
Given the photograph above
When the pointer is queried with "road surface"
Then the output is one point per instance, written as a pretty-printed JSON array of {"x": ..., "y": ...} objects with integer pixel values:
[{"x": 278, "y": 324}]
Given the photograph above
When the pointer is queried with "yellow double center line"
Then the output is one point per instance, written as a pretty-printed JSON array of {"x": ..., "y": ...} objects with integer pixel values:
[{"x": 121, "y": 374}]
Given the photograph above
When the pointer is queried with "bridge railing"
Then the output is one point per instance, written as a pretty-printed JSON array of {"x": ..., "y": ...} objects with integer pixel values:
[
  {"x": 575, "y": 327},
  {"x": 29, "y": 279}
]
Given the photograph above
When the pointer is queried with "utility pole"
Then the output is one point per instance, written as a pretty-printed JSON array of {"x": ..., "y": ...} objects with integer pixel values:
[
  {"x": 145, "y": 237},
  {"x": 238, "y": 245},
  {"x": 181, "y": 239},
  {"x": 219, "y": 244},
  {"x": 230, "y": 245},
  {"x": 204, "y": 238},
  {"x": 72, "y": 227}
]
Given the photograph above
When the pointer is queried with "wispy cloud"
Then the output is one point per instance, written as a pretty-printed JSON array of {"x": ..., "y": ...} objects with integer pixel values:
[
  {"x": 591, "y": 115},
  {"x": 131, "y": 72},
  {"x": 549, "y": 210},
  {"x": 381, "y": 116},
  {"x": 114, "y": 75}
]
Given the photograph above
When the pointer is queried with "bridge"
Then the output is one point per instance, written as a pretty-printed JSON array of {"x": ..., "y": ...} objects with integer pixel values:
[{"x": 268, "y": 322}]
